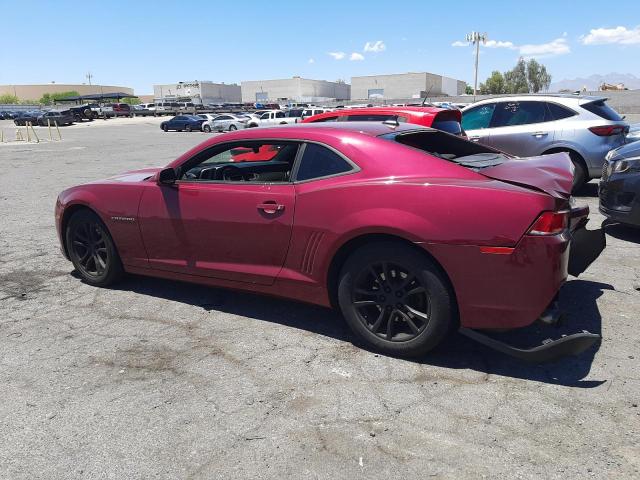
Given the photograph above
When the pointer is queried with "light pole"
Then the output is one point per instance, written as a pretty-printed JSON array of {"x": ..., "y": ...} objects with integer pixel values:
[
  {"x": 475, "y": 38},
  {"x": 89, "y": 77}
]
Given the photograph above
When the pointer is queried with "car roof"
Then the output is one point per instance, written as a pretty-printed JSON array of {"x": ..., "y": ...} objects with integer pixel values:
[
  {"x": 369, "y": 110},
  {"x": 581, "y": 99},
  {"x": 372, "y": 129}
]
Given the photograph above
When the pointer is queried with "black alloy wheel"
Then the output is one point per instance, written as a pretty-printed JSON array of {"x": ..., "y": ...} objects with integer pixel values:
[
  {"x": 91, "y": 249},
  {"x": 395, "y": 299},
  {"x": 188, "y": 128},
  {"x": 391, "y": 302}
]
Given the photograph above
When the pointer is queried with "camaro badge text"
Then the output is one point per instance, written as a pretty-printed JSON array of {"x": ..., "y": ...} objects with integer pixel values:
[{"x": 123, "y": 219}]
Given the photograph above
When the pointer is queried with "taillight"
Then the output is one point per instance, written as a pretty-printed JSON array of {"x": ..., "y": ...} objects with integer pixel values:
[
  {"x": 607, "y": 130},
  {"x": 550, "y": 223}
]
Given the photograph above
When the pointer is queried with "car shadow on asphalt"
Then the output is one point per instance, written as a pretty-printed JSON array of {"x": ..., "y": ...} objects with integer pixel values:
[
  {"x": 621, "y": 231},
  {"x": 588, "y": 190},
  {"x": 577, "y": 299}
]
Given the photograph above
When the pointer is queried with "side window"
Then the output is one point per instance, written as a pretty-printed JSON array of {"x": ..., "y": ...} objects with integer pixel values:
[
  {"x": 318, "y": 161},
  {"x": 559, "y": 112},
  {"x": 250, "y": 161},
  {"x": 370, "y": 118},
  {"x": 265, "y": 116},
  {"x": 509, "y": 114},
  {"x": 224, "y": 117},
  {"x": 279, "y": 115},
  {"x": 478, "y": 117},
  {"x": 326, "y": 119}
]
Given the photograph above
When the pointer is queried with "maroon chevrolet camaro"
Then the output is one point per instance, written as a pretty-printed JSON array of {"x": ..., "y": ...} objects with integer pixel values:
[{"x": 409, "y": 231}]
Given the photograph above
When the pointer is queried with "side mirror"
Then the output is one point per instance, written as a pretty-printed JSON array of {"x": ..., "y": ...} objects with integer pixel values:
[{"x": 167, "y": 177}]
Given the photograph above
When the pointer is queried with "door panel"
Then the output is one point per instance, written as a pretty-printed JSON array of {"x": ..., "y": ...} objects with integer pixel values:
[
  {"x": 235, "y": 231},
  {"x": 522, "y": 128}
]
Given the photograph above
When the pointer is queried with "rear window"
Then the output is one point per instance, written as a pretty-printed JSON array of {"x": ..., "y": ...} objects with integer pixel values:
[
  {"x": 559, "y": 112},
  {"x": 601, "y": 109},
  {"x": 452, "y": 149}
]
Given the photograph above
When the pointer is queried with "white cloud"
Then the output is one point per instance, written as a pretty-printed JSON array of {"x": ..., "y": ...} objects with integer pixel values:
[
  {"x": 499, "y": 44},
  {"x": 619, "y": 35},
  {"x": 311, "y": 60},
  {"x": 337, "y": 55},
  {"x": 559, "y": 46},
  {"x": 375, "y": 47},
  {"x": 356, "y": 56}
]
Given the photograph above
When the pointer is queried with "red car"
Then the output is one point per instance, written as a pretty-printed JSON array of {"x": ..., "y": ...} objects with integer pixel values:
[
  {"x": 442, "y": 119},
  {"x": 409, "y": 231}
]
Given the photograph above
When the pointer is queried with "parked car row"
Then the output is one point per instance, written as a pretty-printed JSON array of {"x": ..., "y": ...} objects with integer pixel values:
[{"x": 52, "y": 117}]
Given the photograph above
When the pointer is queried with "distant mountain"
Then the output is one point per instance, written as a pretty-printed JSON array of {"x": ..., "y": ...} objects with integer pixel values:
[{"x": 594, "y": 81}]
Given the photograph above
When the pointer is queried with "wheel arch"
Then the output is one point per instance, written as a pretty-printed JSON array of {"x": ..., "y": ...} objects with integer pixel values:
[
  {"x": 346, "y": 249},
  {"x": 570, "y": 150}
]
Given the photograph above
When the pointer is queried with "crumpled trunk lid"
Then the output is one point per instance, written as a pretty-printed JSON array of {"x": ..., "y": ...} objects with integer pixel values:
[{"x": 552, "y": 174}]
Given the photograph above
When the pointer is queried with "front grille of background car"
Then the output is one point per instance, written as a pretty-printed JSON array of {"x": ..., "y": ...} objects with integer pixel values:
[{"x": 605, "y": 170}]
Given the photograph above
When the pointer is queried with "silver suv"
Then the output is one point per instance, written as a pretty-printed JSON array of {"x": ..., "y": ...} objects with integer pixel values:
[{"x": 529, "y": 125}]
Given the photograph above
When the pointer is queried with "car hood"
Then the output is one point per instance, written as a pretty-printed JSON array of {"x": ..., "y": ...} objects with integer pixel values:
[
  {"x": 552, "y": 174},
  {"x": 134, "y": 175},
  {"x": 626, "y": 151}
]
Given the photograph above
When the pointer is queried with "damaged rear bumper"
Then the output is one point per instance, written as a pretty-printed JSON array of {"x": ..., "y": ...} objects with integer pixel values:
[{"x": 549, "y": 351}]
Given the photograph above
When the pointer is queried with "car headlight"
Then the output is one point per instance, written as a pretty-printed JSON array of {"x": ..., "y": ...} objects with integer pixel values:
[
  {"x": 620, "y": 166},
  {"x": 610, "y": 155}
]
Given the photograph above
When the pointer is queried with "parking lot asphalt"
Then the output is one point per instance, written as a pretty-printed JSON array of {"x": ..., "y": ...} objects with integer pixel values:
[{"x": 160, "y": 379}]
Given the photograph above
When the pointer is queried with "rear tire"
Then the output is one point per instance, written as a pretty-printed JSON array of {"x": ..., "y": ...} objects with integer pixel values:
[
  {"x": 207, "y": 128},
  {"x": 188, "y": 128},
  {"x": 580, "y": 176},
  {"x": 395, "y": 299},
  {"x": 232, "y": 127},
  {"x": 91, "y": 249}
]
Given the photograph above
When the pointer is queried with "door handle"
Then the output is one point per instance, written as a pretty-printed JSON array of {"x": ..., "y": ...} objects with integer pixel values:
[
  {"x": 271, "y": 207},
  {"x": 539, "y": 134},
  {"x": 474, "y": 139}
]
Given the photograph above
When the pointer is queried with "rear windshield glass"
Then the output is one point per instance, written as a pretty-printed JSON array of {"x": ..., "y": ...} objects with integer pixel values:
[
  {"x": 603, "y": 110},
  {"x": 449, "y": 126},
  {"x": 450, "y": 148}
]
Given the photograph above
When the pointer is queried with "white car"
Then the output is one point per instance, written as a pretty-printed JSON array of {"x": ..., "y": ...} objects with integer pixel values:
[
  {"x": 311, "y": 111},
  {"x": 224, "y": 122},
  {"x": 270, "y": 117}
]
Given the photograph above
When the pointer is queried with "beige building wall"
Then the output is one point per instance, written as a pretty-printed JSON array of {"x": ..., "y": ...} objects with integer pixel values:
[{"x": 35, "y": 92}]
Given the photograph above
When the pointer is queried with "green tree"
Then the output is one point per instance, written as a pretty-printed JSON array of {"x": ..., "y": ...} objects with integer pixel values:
[
  {"x": 516, "y": 79},
  {"x": 7, "y": 98},
  {"x": 49, "y": 98},
  {"x": 494, "y": 85},
  {"x": 131, "y": 101},
  {"x": 537, "y": 77},
  {"x": 468, "y": 90}
]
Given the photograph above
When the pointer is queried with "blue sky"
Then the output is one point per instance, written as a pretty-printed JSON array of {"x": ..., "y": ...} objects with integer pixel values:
[{"x": 138, "y": 43}]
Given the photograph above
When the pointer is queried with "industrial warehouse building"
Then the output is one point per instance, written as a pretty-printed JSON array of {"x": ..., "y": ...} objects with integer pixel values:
[
  {"x": 294, "y": 89},
  {"x": 404, "y": 86},
  {"x": 35, "y": 92},
  {"x": 199, "y": 92}
]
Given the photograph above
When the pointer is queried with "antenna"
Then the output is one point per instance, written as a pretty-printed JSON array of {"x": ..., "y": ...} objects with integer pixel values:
[
  {"x": 424, "y": 100},
  {"x": 475, "y": 38}
]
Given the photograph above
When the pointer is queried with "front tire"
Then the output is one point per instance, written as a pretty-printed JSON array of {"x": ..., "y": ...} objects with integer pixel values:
[
  {"x": 395, "y": 299},
  {"x": 165, "y": 128},
  {"x": 91, "y": 249},
  {"x": 232, "y": 127},
  {"x": 207, "y": 128}
]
